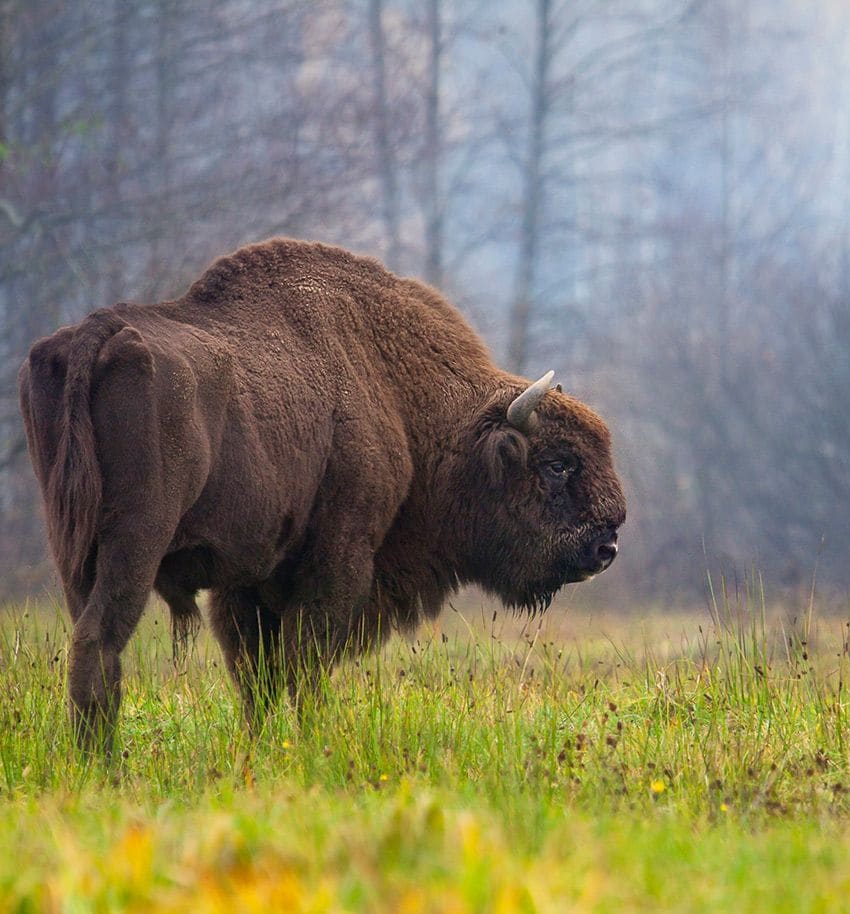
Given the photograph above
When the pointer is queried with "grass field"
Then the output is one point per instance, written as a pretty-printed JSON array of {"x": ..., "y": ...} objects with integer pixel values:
[{"x": 588, "y": 763}]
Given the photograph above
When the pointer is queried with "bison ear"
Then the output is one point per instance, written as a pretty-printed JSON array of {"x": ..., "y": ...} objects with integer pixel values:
[{"x": 503, "y": 452}]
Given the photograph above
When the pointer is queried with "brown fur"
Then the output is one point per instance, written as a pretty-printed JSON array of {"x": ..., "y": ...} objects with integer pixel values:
[{"x": 320, "y": 443}]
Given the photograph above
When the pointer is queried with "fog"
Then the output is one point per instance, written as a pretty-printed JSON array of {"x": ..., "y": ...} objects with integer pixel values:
[{"x": 651, "y": 197}]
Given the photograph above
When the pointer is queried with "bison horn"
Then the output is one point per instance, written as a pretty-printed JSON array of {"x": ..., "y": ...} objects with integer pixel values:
[{"x": 521, "y": 411}]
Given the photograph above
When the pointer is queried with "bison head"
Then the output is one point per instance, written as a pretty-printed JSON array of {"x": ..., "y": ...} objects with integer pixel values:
[{"x": 542, "y": 502}]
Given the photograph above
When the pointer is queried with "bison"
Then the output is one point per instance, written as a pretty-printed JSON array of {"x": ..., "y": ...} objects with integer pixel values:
[{"x": 326, "y": 447}]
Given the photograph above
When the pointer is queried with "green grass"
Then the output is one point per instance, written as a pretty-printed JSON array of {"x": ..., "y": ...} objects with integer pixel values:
[{"x": 591, "y": 764}]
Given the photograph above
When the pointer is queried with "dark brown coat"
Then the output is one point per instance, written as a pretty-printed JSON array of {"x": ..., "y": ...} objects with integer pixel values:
[{"x": 322, "y": 444}]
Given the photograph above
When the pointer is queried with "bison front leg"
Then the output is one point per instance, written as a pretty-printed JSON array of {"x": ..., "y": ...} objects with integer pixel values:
[
  {"x": 267, "y": 650},
  {"x": 249, "y": 634},
  {"x": 313, "y": 643},
  {"x": 317, "y": 636}
]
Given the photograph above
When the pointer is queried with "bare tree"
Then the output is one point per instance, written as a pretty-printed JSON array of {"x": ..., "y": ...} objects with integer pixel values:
[
  {"x": 532, "y": 193},
  {"x": 383, "y": 141},
  {"x": 433, "y": 150}
]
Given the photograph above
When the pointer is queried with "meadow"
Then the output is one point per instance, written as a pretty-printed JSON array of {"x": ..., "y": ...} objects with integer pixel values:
[{"x": 579, "y": 762}]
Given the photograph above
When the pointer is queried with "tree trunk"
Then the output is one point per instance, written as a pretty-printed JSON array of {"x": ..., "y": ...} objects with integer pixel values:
[
  {"x": 387, "y": 176},
  {"x": 521, "y": 309},
  {"x": 118, "y": 83},
  {"x": 433, "y": 148}
]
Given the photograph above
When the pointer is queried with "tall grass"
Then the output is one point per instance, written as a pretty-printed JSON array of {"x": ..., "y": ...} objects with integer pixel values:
[{"x": 467, "y": 758}]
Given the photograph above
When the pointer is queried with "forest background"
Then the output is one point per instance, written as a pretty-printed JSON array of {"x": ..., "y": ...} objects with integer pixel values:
[{"x": 651, "y": 197}]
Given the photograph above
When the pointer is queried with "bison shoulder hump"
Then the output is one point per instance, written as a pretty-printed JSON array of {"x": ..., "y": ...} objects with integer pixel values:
[{"x": 241, "y": 268}]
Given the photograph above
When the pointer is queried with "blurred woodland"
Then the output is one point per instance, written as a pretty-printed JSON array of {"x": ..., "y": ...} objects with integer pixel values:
[{"x": 651, "y": 197}]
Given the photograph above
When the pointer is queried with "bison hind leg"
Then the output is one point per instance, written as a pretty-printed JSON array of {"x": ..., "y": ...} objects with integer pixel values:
[
  {"x": 179, "y": 578},
  {"x": 185, "y": 624},
  {"x": 101, "y": 631},
  {"x": 185, "y": 615}
]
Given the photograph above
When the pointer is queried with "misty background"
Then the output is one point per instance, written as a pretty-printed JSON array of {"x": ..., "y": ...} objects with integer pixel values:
[{"x": 651, "y": 197}]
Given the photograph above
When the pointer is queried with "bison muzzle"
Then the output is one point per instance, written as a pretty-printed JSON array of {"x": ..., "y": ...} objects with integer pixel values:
[{"x": 324, "y": 446}]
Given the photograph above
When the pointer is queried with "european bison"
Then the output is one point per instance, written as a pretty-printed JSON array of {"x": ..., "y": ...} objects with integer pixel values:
[{"x": 328, "y": 448}]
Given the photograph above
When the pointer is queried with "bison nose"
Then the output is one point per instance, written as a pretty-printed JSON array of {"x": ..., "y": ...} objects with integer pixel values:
[{"x": 603, "y": 550}]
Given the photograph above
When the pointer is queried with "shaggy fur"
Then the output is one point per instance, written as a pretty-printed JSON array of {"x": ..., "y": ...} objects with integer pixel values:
[{"x": 320, "y": 443}]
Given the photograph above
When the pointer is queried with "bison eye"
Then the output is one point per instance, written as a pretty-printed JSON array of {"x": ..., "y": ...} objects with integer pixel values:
[{"x": 561, "y": 469}]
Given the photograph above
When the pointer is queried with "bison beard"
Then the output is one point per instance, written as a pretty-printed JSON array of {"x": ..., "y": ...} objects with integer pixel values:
[{"x": 326, "y": 447}]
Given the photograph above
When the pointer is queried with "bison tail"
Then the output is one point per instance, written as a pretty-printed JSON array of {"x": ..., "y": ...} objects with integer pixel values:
[{"x": 74, "y": 490}]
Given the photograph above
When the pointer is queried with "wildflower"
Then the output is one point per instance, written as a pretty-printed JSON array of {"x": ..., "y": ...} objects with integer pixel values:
[
  {"x": 384, "y": 777},
  {"x": 657, "y": 787},
  {"x": 286, "y": 744},
  {"x": 724, "y": 807}
]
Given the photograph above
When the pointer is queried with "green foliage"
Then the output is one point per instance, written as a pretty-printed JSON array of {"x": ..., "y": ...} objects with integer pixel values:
[{"x": 502, "y": 770}]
